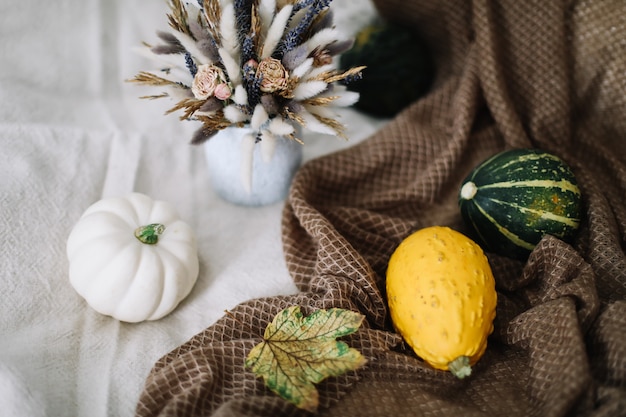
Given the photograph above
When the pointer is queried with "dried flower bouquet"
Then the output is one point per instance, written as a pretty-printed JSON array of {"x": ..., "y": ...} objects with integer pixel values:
[{"x": 268, "y": 64}]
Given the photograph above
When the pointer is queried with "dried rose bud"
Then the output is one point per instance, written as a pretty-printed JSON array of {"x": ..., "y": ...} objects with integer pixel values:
[
  {"x": 206, "y": 80},
  {"x": 222, "y": 91},
  {"x": 274, "y": 75}
]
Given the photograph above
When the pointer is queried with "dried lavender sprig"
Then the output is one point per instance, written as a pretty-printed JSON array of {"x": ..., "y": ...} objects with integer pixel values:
[
  {"x": 243, "y": 13},
  {"x": 248, "y": 49},
  {"x": 299, "y": 5},
  {"x": 294, "y": 36},
  {"x": 254, "y": 91},
  {"x": 352, "y": 78},
  {"x": 251, "y": 83},
  {"x": 191, "y": 65}
]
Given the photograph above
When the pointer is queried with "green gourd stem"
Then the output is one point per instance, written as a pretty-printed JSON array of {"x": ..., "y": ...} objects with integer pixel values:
[
  {"x": 149, "y": 234},
  {"x": 460, "y": 367}
]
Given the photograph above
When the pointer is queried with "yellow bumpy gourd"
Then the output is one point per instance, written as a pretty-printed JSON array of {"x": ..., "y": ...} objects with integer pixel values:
[{"x": 442, "y": 297}]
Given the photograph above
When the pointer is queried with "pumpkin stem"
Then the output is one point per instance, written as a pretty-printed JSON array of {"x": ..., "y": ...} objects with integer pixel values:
[
  {"x": 468, "y": 191},
  {"x": 149, "y": 234},
  {"x": 460, "y": 367}
]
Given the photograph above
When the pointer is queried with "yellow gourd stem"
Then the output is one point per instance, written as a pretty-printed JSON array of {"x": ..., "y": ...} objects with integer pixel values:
[
  {"x": 149, "y": 234},
  {"x": 460, "y": 367}
]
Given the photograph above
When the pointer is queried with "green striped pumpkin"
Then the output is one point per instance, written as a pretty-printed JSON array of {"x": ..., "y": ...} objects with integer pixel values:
[{"x": 511, "y": 200}]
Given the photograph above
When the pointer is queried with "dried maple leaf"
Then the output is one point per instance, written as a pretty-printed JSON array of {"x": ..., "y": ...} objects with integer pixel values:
[{"x": 298, "y": 352}]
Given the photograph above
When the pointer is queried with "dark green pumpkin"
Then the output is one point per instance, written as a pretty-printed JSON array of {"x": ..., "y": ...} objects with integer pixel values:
[
  {"x": 515, "y": 198},
  {"x": 399, "y": 68}
]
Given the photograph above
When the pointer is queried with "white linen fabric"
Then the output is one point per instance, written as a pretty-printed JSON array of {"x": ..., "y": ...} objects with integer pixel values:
[{"x": 73, "y": 132}]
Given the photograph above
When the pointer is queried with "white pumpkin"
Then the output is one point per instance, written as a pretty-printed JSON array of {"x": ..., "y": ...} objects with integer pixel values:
[{"x": 132, "y": 258}]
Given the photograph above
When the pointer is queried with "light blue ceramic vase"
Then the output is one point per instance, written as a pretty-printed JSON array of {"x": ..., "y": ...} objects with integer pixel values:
[{"x": 270, "y": 177}]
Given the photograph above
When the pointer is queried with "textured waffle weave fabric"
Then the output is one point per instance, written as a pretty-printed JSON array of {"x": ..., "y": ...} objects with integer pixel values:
[{"x": 535, "y": 73}]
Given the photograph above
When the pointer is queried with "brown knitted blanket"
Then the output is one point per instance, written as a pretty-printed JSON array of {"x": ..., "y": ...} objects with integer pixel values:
[{"x": 532, "y": 73}]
